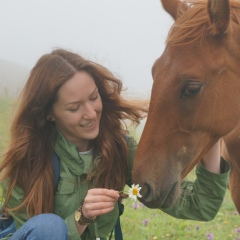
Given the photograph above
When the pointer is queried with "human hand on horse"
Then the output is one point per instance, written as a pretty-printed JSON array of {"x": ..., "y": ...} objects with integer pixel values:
[{"x": 211, "y": 160}]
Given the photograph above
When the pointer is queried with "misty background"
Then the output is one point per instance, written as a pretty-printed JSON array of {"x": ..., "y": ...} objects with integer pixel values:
[{"x": 125, "y": 36}]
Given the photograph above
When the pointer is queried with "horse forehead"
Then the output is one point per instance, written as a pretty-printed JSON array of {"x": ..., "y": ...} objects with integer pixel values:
[{"x": 192, "y": 60}]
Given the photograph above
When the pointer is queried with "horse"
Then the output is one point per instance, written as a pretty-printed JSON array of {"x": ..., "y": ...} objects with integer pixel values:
[{"x": 195, "y": 99}]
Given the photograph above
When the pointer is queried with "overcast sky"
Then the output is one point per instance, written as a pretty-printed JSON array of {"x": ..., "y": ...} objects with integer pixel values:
[{"x": 126, "y": 35}]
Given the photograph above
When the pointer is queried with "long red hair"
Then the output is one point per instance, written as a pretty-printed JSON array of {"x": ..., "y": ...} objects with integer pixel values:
[{"x": 28, "y": 160}]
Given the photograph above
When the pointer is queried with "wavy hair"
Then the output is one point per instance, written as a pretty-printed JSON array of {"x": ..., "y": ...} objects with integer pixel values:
[
  {"x": 193, "y": 23},
  {"x": 28, "y": 159}
]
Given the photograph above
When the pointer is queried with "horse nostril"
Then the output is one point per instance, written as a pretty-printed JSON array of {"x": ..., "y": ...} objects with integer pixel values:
[{"x": 146, "y": 192}]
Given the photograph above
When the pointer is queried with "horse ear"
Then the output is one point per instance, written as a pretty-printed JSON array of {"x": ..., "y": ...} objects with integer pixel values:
[
  {"x": 219, "y": 13},
  {"x": 171, "y": 6}
]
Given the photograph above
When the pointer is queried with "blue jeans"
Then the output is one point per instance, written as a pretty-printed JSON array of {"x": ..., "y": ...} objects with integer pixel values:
[{"x": 43, "y": 226}]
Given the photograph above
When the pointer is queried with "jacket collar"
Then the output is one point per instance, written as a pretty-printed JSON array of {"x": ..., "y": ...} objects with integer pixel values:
[{"x": 69, "y": 155}]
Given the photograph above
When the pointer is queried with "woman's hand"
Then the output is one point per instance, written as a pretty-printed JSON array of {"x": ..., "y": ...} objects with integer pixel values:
[
  {"x": 99, "y": 201},
  {"x": 211, "y": 160}
]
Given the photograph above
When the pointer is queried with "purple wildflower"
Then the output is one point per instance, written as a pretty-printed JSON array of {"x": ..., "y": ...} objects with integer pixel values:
[
  {"x": 142, "y": 205},
  {"x": 197, "y": 227},
  {"x": 135, "y": 205},
  {"x": 237, "y": 230},
  {"x": 210, "y": 236},
  {"x": 146, "y": 221}
]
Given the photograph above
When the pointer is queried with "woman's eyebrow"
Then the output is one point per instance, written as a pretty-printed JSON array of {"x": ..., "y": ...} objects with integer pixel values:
[
  {"x": 94, "y": 91},
  {"x": 76, "y": 102}
]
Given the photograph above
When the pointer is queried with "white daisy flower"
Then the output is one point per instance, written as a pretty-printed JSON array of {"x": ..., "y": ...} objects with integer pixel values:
[{"x": 134, "y": 192}]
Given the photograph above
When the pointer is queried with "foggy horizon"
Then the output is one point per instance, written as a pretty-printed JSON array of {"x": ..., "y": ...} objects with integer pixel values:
[{"x": 126, "y": 36}]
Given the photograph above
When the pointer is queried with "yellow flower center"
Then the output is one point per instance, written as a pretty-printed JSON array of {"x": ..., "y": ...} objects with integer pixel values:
[{"x": 135, "y": 191}]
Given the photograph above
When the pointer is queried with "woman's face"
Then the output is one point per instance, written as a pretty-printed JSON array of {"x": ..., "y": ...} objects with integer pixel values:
[{"x": 78, "y": 110}]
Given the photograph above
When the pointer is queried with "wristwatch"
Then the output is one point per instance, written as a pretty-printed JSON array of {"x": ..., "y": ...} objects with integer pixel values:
[{"x": 81, "y": 219}]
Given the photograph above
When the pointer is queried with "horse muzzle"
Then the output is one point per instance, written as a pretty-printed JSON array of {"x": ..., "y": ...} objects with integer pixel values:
[{"x": 153, "y": 197}]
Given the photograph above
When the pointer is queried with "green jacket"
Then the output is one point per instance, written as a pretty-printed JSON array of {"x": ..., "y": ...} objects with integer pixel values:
[{"x": 200, "y": 200}]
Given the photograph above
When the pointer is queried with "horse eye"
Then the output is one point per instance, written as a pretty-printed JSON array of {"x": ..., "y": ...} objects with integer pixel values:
[{"x": 191, "y": 89}]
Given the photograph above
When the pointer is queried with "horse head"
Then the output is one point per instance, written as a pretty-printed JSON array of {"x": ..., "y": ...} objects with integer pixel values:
[{"x": 195, "y": 96}]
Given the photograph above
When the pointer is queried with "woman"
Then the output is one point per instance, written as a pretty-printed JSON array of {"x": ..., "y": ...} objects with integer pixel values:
[{"x": 73, "y": 107}]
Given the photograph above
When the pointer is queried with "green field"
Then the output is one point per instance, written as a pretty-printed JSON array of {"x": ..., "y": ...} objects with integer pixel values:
[{"x": 141, "y": 223}]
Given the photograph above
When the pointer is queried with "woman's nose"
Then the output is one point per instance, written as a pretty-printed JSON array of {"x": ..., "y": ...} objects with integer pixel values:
[{"x": 89, "y": 111}]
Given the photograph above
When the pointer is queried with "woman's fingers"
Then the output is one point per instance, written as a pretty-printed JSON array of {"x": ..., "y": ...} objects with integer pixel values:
[
  {"x": 99, "y": 201},
  {"x": 102, "y": 192},
  {"x": 95, "y": 209}
]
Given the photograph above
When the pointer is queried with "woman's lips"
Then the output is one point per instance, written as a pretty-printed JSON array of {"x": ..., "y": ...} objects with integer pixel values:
[{"x": 88, "y": 125}]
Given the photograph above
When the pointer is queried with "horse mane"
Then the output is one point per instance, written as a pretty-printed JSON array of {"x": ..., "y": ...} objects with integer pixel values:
[{"x": 193, "y": 23}]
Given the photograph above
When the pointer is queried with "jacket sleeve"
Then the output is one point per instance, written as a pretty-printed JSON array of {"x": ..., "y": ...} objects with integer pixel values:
[
  {"x": 15, "y": 199},
  {"x": 201, "y": 199},
  {"x": 21, "y": 218}
]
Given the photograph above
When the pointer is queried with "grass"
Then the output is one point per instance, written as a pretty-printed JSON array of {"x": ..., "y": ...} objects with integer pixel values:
[
  {"x": 6, "y": 113},
  {"x": 139, "y": 222}
]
